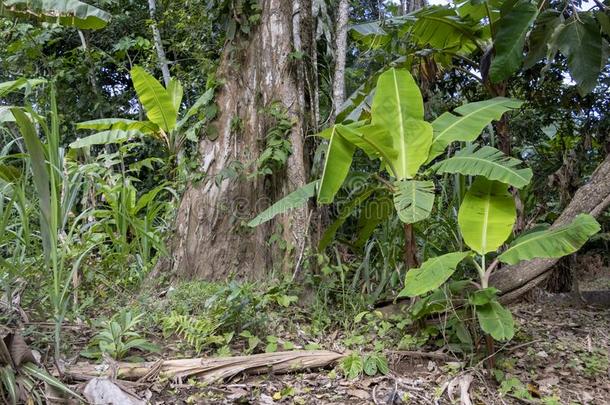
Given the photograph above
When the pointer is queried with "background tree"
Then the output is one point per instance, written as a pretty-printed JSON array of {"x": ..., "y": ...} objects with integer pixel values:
[{"x": 261, "y": 88}]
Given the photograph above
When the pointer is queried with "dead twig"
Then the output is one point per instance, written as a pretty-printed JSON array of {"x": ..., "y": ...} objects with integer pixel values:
[{"x": 423, "y": 355}]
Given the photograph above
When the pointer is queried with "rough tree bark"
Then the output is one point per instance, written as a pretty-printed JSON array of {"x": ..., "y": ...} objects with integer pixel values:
[
  {"x": 211, "y": 241},
  {"x": 592, "y": 198}
]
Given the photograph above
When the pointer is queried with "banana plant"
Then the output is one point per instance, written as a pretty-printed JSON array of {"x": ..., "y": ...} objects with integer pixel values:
[
  {"x": 398, "y": 136},
  {"x": 57, "y": 192},
  {"x": 162, "y": 106},
  {"x": 486, "y": 219}
]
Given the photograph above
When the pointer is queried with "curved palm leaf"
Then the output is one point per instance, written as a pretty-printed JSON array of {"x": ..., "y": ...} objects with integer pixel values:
[
  {"x": 432, "y": 274},
  {"x": 552, "y": 243},
  {"x": 296, "y": 199},
  {"x": 467, "y": 127},
  {"x": 65, "y": 12},
  {"x": 487, "y": 162},
  {"x": 155, "y": 99},
  {"x": 413, "y": 200},
  {"x": 487, "y": 215}
]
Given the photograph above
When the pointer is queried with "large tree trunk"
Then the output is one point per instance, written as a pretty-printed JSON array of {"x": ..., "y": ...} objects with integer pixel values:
[
  {"x": 592, "y": 198},
  {"x": 211, "y": 240}
]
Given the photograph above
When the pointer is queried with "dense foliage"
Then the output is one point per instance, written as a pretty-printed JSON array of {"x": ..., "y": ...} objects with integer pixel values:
[{"x": 468, "y": 129}]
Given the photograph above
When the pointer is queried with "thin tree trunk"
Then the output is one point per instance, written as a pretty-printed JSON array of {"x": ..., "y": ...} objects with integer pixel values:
[
  {"x": 592, "y": 198},
  {"x": 410, "y": 253},
  {"x": 340, "y": 54},
  {"x": 163, "y": 65},
  {"x": 211, "y": 240}
]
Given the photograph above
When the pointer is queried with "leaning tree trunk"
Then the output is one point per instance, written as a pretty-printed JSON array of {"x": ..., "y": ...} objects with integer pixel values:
[
  {"x": 211, "y": 240},
  {"x": 592, "y": 198}
]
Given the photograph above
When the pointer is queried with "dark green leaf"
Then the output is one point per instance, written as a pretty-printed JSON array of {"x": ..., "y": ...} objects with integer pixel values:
[
  {"x": 496, "y": 321},
  {"x": 540, "y": 37},
  {"x": 581, "y": 43},
  {"x": 510, "y": 38}
]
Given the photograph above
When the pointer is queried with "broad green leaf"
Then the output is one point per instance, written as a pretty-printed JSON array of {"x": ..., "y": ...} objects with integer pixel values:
[
  {"x": 296, "y": 199},
  {"x": 175, "y": 90},
  {"x": 145, "y": 127},
  {"x": 155, "y": 99},
  {"x": 413, "y": 200},
  {"x": 375, "y": 363},
  {"x": 370, "y": 34},
  {"x": 496, "y": 320},
  {"x": 472, "y": 119},
  {"x": 346, "y": 212},
  {"x": 432, "y": 274},
  {"x": 552, "y": 243},
  {"x": 106, "y": 123},
  {"x": 540, "y": 37},
  {"x": 487, "y": 215},
  {"x": 435, "y": 27},
  {"x": 375, "y": 141},
  {"x": 487, "y": 162},
  {"x": 65, "y": 12},
  {"x": 398, "y": 107},
  {"x": 336, "y": 166},
  {"x": 581, "y": 43},
  {"x": 510, "y": 38},
  {"x": 352, "y": 365},
  {"x": 105, "y": 138},
  {"x": 441, "y": 28}
]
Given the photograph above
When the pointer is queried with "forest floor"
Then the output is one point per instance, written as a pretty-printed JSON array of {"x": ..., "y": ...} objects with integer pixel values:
[
  {"x": 559, "y": 355},
  {"x": 563, "y": 359}
]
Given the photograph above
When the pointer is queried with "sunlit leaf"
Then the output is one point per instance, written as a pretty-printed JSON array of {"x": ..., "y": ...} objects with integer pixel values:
[
  {"x": 432, "y": 274},
  {"x": 487, "y": 215},
  {"x": 552, "y": 243}
]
